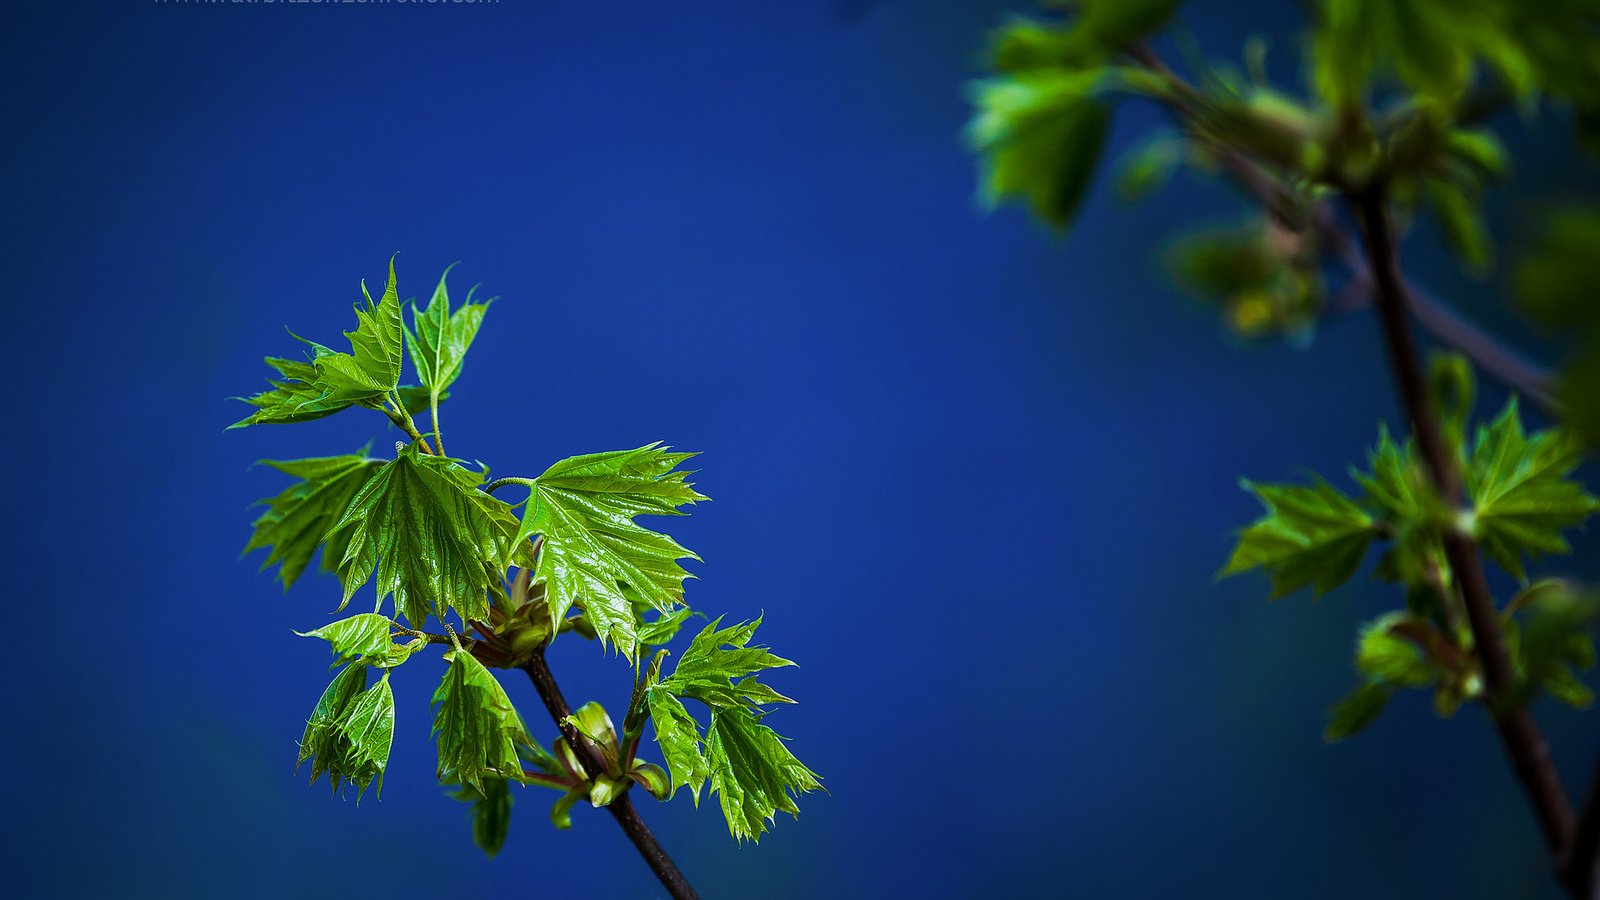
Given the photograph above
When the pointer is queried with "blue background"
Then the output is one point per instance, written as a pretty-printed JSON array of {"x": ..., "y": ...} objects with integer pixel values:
[{"x": 979, "y": 479}]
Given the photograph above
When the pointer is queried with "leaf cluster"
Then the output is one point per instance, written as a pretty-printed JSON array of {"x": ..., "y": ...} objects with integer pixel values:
[
  {"x": 426, "y": 530},
  {"x": 751, "y": 770},
  {"x": 1395, "y": 95},
  {"x": 1522, "y": 501}
]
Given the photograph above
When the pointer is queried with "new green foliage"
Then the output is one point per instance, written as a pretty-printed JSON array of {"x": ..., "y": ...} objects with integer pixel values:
[
  {"x": 1522, "y": 499},
  {"x": 440, "y": 339},
  {"x": 1521, "y": 494},
  {"x": 751, "y": 771},
  {"x": 1555, "y": 283},
  {"x": 372, "y": 367},
  {"x": 1041, "y": 135},
  {"x": 594, "y": 554},
  {"x": 1388, "y": 131},
  {"x": 426, "y": 529},
  {"x": 364, "y": 635},
  {"x": 1312, "y": 535},
  {"x": 296, "y": 396},
  {"x": 718, "y": 669},
  {"x": 432, "y": 538},
  {"x": 367, "y": 637},
  {"x": 350, "y": 731},
  {"x": 476, "y": 726},
  {"x": 678, "y": 735},
  {"x": 298, "y": 519}
]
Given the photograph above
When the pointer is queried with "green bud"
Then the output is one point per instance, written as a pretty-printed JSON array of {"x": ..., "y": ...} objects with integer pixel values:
[
  {"x": 652, "y": 778},
  {"x": 606, "y": 790}
]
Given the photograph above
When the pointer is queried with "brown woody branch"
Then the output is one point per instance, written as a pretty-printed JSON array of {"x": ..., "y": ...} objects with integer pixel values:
[
  {"x": 621, "y": 808},
  {"x": 1519, "y": 733},
  {"x": 1444, "y": 324},
  {"x": 1376, "y": 278}
]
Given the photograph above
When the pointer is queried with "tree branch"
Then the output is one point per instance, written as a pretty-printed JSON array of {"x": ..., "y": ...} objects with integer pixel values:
[
  {"x": 1520, "y": 735},
  {"x": 621, "y": 808},
  {"x": 1578, "y": 869},
  {"x": 1443, "y": 323}
]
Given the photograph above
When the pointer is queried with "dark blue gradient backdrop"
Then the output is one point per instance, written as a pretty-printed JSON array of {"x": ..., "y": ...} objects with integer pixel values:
[{"x": 978, "y": 479}]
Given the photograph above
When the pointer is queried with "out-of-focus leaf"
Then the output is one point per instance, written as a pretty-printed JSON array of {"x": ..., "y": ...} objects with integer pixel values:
[
  {"x": 1040, "y": 135},
  {"x": 1430, "y": 47},
  {"x": 1116, "y": 23},
  {"x": 1522, "y": 498},
  {"x": 1312, "y": 535},
  {"x": 1360, "y": 708},
  {"x": 1387, "y": 651},
  {"x": 1555, "y": 283},
  {"x": 491, "y": 814},
  {"x": 1263, "y": 277},
  {"x": 1556, "y": 637},
  {"x": 1461, "y": 223},
  {"x": 1144, "y": 169}
]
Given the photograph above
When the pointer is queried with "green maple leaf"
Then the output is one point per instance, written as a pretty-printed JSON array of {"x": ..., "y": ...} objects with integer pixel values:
[
  {"x": 297, "y": 397},
  {"x": 372, "y": 368},
  {"x": 297, "y": 520},
  {"x": 477, "y": 728},
  {"x": 678, "y": 736},
  {"x": 366, "y": 634},
  {"x": 664, "y": 627},
  {"x": 350, "y": 731},
  {"x": 594, "y": 553},
  {"x": 433, "y": 539},
  {"x": 753, "y": 773},
  {"x": 1312, "y": 535},
  {"x": 1397, "y": 488},
  {"x": 365, "y": 637},
  {"x": 1388, "y": 651},
  {"x": 1356, "y": 711},
  {"x": 1522, "y": 498},
  {"x": 718, "y": 668},
  {"x": 441, "y": 338}
]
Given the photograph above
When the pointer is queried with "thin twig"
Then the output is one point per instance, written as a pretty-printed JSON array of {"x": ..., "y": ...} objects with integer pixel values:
[
  {"x": 1524, "y": 743},
  {"x": 620, "y": 808}
]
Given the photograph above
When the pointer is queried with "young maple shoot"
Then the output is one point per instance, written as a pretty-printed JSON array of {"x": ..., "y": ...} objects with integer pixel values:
[
  {"x": 502, "y": 580},
  {"x": 1386, "y": 134}
]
